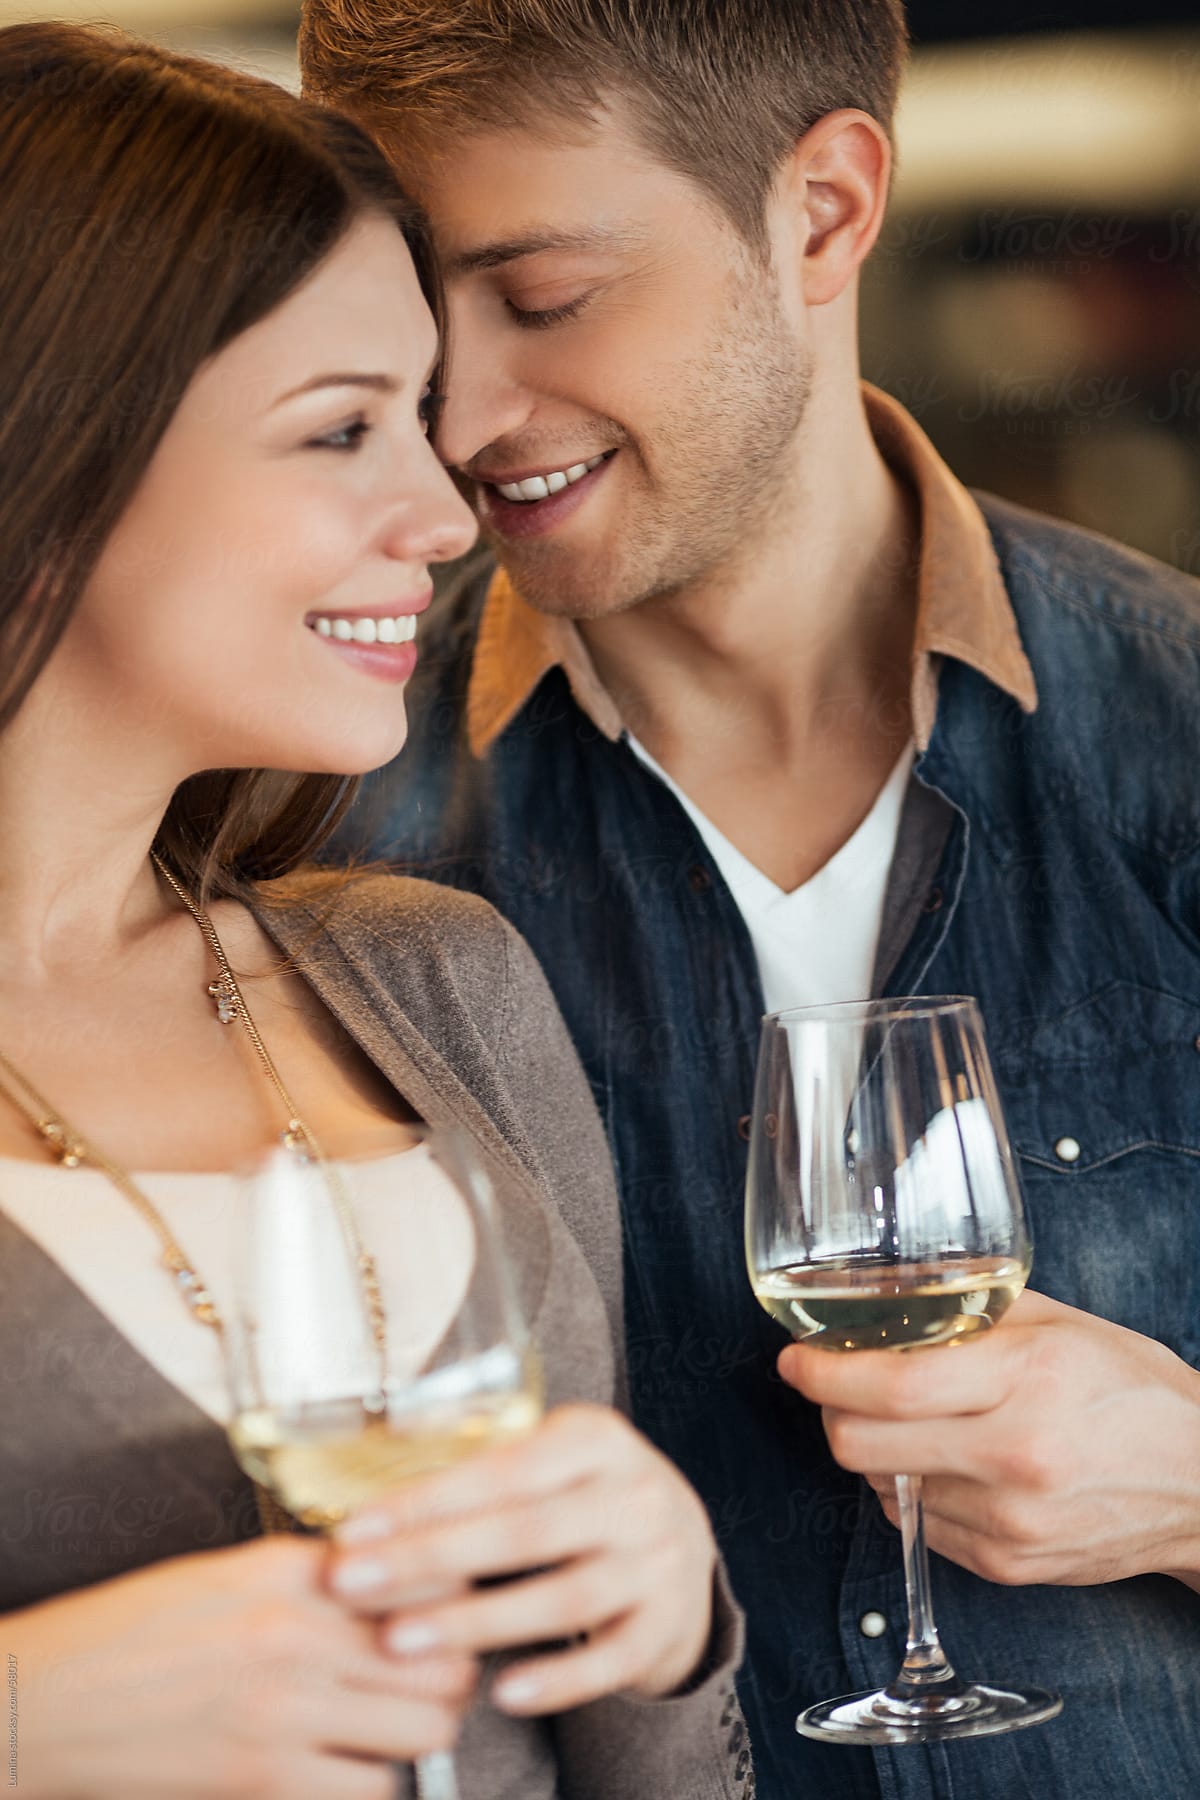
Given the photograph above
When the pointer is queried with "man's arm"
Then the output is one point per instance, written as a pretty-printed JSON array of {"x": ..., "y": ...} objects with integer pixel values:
[{"x": 1059, "y": 1448}]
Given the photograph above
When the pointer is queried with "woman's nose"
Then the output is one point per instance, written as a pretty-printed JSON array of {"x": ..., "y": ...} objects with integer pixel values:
[{"x": 434, "y": 523}]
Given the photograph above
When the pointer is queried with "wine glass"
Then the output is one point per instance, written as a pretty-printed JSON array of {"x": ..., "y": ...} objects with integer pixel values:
[
  {"x": 883, "y": 1211},
  {"x": 336, "y": 1400}
]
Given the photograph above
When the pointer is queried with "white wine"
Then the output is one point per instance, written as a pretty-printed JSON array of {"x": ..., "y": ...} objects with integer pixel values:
[
  {"x": 856, "y": 1305},
  {"x": 323, "y": 1464}
]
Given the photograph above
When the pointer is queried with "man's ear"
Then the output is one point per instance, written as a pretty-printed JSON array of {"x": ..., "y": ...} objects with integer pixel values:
[{"x": 835, "y": 184}]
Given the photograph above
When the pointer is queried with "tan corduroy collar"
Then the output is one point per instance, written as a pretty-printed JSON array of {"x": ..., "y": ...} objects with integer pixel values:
[{"x": 963, "y": 609}]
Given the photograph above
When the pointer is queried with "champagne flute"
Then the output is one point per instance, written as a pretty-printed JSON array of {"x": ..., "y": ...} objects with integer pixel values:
[
  {"x": 883, "y": 1211},
  {"x": 325, "y": 1417}
]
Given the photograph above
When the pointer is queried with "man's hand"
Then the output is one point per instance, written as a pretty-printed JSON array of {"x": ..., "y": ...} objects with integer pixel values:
[{"x": 1057, "y": 1448}]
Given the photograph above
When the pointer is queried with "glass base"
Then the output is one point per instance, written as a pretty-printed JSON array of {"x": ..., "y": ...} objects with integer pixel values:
[{"x": 973, "y": 1711}]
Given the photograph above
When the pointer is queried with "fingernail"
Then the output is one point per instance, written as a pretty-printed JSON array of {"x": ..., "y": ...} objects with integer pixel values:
[
  {"x": 414, "y": 1639},
  {"x": 517, "y": 1690},
  {"x": 362, "y": 1528},
  {"x": 356, "y": 1577}
]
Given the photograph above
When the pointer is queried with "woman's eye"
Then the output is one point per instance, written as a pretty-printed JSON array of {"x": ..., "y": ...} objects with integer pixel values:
[
  {"x": 429, "y": 407},
  {"x": 550, "y": 315},
  {"x": 346, "y": 437}
]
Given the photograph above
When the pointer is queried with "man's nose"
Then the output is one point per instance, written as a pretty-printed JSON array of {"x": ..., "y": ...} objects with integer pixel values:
[{"x": 485, "y": 401}]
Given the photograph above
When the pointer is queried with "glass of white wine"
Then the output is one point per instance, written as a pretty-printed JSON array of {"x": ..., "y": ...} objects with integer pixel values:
[
  {"x": 336, "y": 1400},
  {"x": 883, "y": 1211}
]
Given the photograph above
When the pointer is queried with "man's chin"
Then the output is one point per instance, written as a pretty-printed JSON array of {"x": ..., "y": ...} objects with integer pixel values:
[
  {"x": 580, "y": 605},
  {"x": 559, "y": 582}
]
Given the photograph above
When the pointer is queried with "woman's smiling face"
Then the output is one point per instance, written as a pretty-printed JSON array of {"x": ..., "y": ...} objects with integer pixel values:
[{"x": 255, "y": 604}]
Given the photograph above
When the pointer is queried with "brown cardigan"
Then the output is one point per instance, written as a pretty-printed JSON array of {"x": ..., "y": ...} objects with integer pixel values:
[{"x": 107, "y": 1466}]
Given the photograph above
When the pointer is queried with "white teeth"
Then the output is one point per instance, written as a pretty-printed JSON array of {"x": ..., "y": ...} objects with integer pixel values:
[
  {"x": 400, "y": 630},
  {"x": 539, "y": 487}
]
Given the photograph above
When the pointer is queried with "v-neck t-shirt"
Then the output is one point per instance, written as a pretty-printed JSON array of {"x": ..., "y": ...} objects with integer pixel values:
[{"x": 817, "y": 944}]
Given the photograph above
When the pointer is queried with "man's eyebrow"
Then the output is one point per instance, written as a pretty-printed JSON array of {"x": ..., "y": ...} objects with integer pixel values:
[{"x": 533, "y": 243}]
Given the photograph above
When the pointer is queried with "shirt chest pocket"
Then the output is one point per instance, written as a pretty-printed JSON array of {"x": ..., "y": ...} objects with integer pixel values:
[{"x": 1103, "y": 1109}]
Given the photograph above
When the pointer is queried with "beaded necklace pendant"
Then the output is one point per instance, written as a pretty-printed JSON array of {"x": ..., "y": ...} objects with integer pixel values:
[{"x": 223, "y": 992}]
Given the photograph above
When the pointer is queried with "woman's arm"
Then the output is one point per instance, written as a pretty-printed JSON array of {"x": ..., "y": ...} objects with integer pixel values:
[
  {"x": 692, "y": 1745},
  {"x": 624, "y": 1563},
  {"x": 622, "y": 1543}
]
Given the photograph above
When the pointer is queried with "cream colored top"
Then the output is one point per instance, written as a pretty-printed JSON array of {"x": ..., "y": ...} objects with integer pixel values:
[{"x": 408, "y": 1211}]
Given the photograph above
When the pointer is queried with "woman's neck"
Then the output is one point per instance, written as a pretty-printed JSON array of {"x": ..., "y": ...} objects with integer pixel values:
[{"x": 78, "y": 814}]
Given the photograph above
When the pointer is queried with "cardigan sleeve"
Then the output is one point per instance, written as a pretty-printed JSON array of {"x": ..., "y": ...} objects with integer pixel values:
[
  {"x": 553, "y": 1102},
  {"x": 693, "y": 1745}
]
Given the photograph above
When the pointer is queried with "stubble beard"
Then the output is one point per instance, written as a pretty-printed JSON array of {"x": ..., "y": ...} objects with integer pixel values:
[{"x": 703, "y": 483}]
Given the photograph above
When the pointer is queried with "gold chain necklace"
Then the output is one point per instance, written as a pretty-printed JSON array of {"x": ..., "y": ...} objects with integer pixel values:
[{"x": 72, "y": 1149}]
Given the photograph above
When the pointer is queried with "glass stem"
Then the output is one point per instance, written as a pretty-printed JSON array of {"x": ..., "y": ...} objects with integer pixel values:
[
  {"x": 436, "y": 1779},
  {"x": 926, "y": 1667}
]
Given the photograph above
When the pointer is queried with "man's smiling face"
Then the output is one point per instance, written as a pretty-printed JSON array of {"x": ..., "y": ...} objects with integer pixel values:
[{"x": 627, "y": 378}]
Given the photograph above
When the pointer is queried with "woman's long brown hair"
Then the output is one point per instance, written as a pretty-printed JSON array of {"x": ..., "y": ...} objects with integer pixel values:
[{"x": 152, "y": 206}]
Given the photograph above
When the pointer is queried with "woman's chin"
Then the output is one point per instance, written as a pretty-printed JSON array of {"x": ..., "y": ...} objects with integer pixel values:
[
  {"x": 373, "y": 755},
  {"x": 360, "y": 755}
]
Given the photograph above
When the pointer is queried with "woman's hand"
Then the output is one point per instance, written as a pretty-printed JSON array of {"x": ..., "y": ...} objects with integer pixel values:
[
  {"x": 217, "y": 1677},
  {"x": 620, "y": 1545}
]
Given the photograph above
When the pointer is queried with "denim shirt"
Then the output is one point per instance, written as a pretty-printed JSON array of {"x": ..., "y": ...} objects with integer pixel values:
[{"x": 1067, "y": 898}]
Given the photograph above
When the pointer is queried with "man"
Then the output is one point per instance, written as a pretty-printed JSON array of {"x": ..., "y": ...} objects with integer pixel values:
[{"x": 762, "y": 706}]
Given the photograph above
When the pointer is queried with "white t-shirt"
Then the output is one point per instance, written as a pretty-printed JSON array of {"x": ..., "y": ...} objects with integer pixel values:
[{"x": 816, "y": 945}]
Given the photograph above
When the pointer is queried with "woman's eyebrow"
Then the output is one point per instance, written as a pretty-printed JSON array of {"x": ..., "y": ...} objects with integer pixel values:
[{"x": 380, "y": 384}]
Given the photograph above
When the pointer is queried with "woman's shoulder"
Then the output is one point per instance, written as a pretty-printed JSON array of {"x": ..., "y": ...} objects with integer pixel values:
[
  {"x": 436, "y": 950},
  {"x": 443, "y": 972},
  {"x": 370, "y": 903}
]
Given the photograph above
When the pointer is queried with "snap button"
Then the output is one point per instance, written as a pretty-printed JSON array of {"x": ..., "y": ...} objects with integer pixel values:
[
  {"x": 872, "y": 1624},
  {"x": 699, "y": 879},
  {"x": 744, "y": 1128},
  {"x": 1067, "y": 1149},
  {"x": 934, "y": 902}
]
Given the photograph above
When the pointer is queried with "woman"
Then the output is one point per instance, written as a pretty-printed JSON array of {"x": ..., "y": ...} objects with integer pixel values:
[{"x": 217, "y": 510}]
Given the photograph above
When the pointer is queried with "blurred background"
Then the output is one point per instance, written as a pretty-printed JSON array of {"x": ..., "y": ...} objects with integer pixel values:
[{"x": 1035, "y": 298}]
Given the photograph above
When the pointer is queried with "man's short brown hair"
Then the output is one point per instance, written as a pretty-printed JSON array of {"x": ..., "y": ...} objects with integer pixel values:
[{"x": 719, "y": 90}]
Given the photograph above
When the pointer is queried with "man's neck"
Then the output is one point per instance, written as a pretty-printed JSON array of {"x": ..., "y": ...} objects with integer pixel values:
[
  {"x": 778, "y": 693},
  {"x": 814, "y": 613}
]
